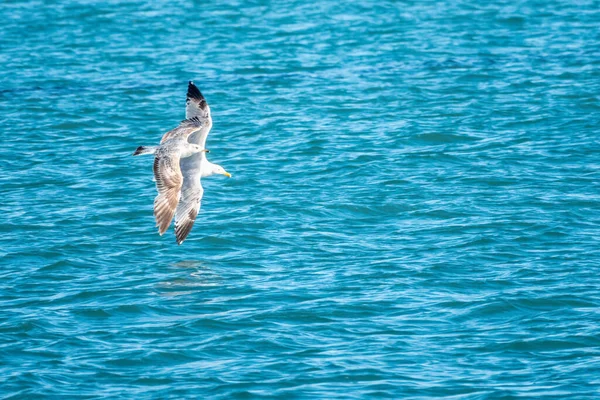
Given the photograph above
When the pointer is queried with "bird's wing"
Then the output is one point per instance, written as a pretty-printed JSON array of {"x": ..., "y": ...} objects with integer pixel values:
[
  {"x": 196, "y": 106},
  {"x": 195, "y": 103},
  {"x": 191, "y": 195},
  {"x": 185, "y": 129},
  {"x": 168, "y": 183}
]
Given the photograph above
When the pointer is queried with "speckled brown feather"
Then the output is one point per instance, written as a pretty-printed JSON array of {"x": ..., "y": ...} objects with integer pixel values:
[{"x": 168, "y": 183}]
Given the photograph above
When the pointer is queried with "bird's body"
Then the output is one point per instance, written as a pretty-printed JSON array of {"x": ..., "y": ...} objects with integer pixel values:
[
  {"x": 176, "y": 145},
  {"x": 179, "y": 163}
]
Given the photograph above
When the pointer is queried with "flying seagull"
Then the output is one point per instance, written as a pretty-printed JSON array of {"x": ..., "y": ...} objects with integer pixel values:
[{"x": 179, "y": 163}]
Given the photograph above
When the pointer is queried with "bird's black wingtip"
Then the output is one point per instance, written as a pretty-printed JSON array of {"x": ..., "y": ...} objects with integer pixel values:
[{"x": 193, "y": 92}]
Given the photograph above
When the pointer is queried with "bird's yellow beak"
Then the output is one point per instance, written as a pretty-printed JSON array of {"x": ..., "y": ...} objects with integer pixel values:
[{"x": 227, "y": 174}]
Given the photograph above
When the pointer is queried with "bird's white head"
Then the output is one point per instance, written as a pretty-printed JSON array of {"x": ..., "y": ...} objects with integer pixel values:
[{"x": 217, "y": 169}]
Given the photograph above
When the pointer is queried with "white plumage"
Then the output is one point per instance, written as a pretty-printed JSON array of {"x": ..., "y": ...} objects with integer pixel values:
[{"x": 178, "y": 170}]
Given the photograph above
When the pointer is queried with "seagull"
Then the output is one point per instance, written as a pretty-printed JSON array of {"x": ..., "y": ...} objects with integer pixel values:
[{"x": 179, "y": 164}]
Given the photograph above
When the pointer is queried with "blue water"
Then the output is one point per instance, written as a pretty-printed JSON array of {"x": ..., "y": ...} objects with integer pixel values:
[{"x": 414, "y": 210}]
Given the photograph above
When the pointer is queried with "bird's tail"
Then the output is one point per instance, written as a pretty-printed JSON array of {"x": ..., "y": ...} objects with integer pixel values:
[{"x": 144, "y": 150}]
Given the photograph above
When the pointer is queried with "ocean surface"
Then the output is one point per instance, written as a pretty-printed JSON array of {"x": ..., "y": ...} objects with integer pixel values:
[{"x": 414, "y": 210}]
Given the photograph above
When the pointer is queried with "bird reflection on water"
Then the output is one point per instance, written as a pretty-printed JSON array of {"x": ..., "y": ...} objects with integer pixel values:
[{"x": 192, "y": 275}]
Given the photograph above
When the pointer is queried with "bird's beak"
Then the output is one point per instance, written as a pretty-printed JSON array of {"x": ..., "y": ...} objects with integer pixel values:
[
  {"x": 227, "y": 174},
  {"x": 206, "y": 151}
]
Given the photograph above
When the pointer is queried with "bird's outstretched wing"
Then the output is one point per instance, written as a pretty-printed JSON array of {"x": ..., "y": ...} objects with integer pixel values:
[
  {"x": 195, "y": 103},
  {"x": 197, "y": 107},
  {"x": 191, "y": 167},
  {"x": 168, "y": 183},
  {"x": 186, "y": 128},
  {"x": 191, "y": 196}
]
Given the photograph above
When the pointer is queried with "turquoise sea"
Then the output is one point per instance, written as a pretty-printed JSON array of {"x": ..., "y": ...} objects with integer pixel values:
[{"x": 414, "y": 211}]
